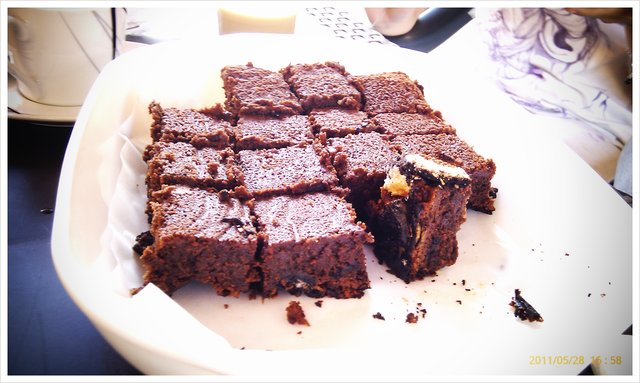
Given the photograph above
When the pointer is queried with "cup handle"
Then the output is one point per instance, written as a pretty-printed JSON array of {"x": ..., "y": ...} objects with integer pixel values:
[{"x": 19, "y": 35}]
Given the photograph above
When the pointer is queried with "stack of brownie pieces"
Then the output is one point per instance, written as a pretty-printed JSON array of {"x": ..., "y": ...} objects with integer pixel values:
[{"x": 269, "y": 192}]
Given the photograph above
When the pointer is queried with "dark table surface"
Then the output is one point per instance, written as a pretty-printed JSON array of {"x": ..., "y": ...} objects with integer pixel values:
[{"x": 47, "y": 333}]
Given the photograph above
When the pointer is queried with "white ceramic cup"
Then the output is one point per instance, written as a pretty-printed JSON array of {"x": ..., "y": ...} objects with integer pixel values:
[
  {"x": 264, "y": 19},
  {"x": 56, "y": 54}
]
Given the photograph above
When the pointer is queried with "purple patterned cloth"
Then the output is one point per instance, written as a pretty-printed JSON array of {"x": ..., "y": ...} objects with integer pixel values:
[{"x": 553, "y": 61}]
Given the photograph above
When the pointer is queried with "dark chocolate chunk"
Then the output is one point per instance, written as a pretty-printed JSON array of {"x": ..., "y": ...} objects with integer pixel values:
[{"x": 523, "y": 309}]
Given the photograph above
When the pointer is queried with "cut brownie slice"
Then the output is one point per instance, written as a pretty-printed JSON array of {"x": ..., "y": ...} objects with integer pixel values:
[
  {"x": 391, "y": 92},
  {"x": 411, "y": 123},
  {"x": 171, "y": 163},
  {"x": 421, "y": 208},
  {"x": 264, "y": 132},
  {"x": 322, "y": 85},
  {"x": 200, "y": 235},
  {"x": 290, "y": 170},
  {"x": 312, "y": 245},
  {"x": 362, "y": 162},
  {"x": 201, "y": 128},
  {"x": 450, "y": 148},
  {"x": 339, "y": 122},
  {"x": 251, "y": 90}
]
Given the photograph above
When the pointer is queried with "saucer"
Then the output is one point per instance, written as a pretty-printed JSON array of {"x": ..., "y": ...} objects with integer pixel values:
[{"x": 21, "y": 108}]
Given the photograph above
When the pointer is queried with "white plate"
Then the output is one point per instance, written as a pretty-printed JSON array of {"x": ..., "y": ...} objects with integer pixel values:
[{"x": 559, "y": 233}]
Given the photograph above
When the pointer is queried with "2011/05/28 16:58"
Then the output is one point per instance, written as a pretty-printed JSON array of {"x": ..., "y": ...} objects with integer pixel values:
[{"x": 573, "y": 359}]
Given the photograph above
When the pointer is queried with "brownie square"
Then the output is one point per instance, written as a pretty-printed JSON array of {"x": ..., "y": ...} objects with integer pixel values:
[
  {"x": 340, "y": 122},
  {"x": 201, "y": 128},
  {"x": 290, "y": 170},
  {"x": 416, "y": 220},
  {"x": 312, "y": 245},
  {"x": 265, "y": 132},
  {"x": 251, "y": 90},
  {"x": 322, "y": 85},
  {"x": 362, "y": 162},
  {"x": 391, "y": 92},
  {"x": 171, "y": 163},
  {"x": 411, "y": 123},
  {"x": 450, "y": 148},
  {"x": 200, "y": 235}
]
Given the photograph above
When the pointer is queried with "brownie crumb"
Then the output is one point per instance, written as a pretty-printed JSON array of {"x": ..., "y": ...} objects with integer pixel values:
[
  {"x": 245, "y": 228},
  {"x": 523, "y": 309},
  {"x": 378, "y": 316},
  {"x": 412, "y": 318},
  {"x": 420, "y": 310},
  {"x": 458, "y": 301},
  {"x": 319, "y": 303},
  {"x": 295, "y": 314},
  {"x": 143, "y": 240},
  {"x": 299, "y": 332},
  {"x": 226, "y": 306}
]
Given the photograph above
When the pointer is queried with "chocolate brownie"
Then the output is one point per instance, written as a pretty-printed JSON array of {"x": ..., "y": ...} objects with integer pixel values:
[
  {"x": 362, "y": 162},
  {"x": 199, "y": 235},
  {"x": 312, "y": 245},
  {"x": 262, "y": 197},
  {"x": 340, "y": 122},
  {"x": 171, "y": 163},
  {"x": 452, "y": 149},
  {"x": 411, "y": 123},
  {"x": 251, "y": 90},
  {"x": 322, "y": 85},
  {"x": 201, "y": 128},
  {"x": 264, "y": 132},
  {"x": 290, "y": 170},
  {"x": 415, "y": 221},
  {"x": 391, "y": 92}
]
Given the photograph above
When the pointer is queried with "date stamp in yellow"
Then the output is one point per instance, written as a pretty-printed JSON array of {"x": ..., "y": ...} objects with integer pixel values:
[{"x": 561, "y": 360}]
